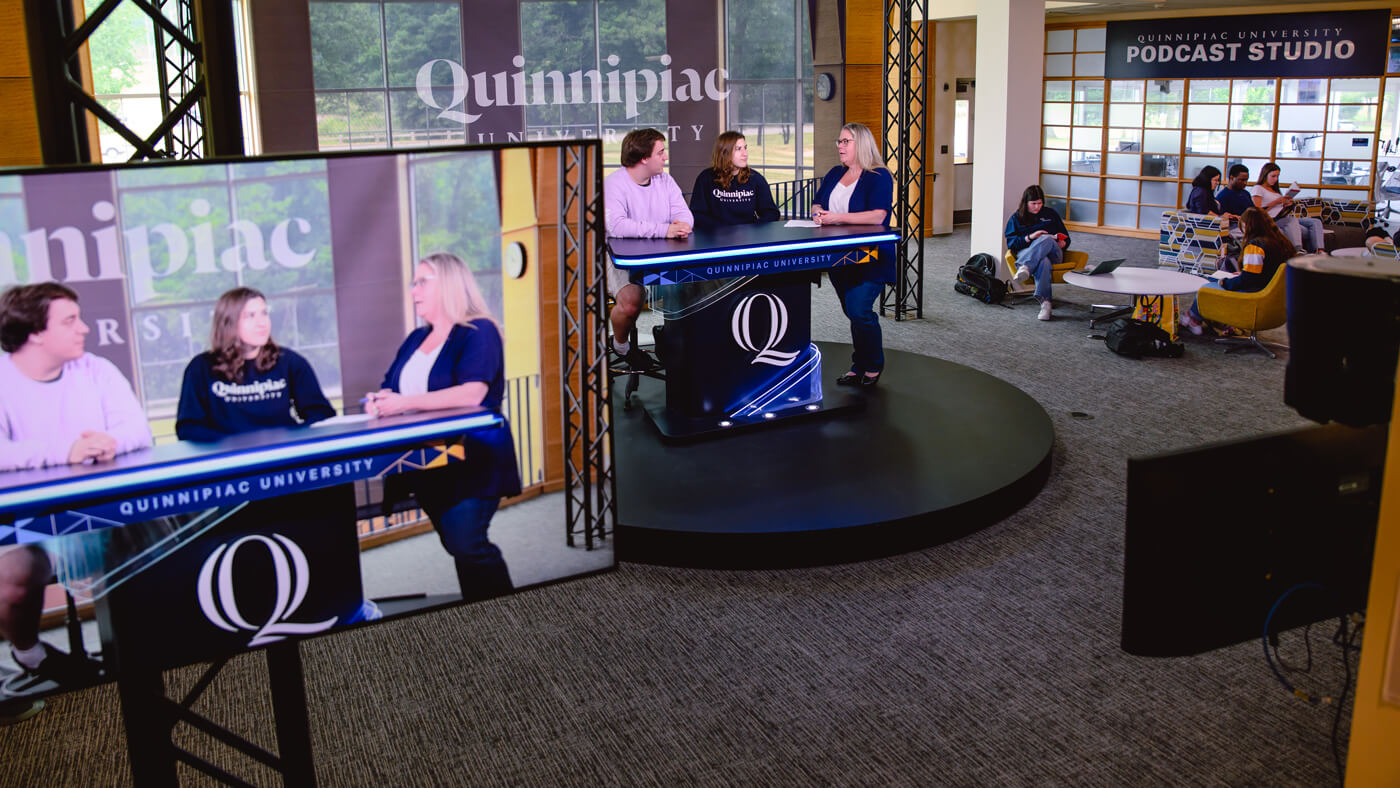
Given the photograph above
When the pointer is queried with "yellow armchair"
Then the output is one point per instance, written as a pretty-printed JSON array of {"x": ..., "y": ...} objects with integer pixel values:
[
  {"x": 1250, "y": 312},
  {"x": 1073, "y": 259}
]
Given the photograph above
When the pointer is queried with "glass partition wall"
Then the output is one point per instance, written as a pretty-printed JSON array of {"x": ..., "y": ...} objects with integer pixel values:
[{"x": 1116, "y": 153}]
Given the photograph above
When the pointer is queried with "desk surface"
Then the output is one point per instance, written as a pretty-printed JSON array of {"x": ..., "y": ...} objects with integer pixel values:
[
  {"x": 183, "y": 464},
  {"x": 1138, "y": 281},
  {"x": 741, "y": 241},
  {"x": 1364, "y": 265}
]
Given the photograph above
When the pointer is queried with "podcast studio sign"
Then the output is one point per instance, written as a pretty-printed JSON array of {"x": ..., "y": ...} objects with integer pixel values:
[{"x": 1338, "y": 44}]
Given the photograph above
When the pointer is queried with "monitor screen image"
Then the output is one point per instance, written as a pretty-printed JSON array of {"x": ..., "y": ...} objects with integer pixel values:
[{"x": 383, "y": 449}]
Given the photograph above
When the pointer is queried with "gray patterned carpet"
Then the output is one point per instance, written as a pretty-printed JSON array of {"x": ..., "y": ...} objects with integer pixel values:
[{"x": 992, "y": 660}]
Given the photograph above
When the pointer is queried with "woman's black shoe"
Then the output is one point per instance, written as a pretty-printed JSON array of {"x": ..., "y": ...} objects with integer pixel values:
[
  {"x": 870, "y": 380},
  {"x": 849, "y": 379}
]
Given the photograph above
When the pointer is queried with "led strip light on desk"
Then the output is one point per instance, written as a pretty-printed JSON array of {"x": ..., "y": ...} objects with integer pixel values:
[{"x": 118, "y": 481}]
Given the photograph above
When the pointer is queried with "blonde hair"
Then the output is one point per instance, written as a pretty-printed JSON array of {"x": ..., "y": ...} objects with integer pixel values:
[
  {"x": 868, "y": 156},
  {"x": 458, "y": 296}
]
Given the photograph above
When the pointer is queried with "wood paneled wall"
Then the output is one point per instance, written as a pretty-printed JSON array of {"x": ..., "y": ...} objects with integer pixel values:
[
  {"x": 865, "y": 57},
  {"x": 19, "y": 133}
]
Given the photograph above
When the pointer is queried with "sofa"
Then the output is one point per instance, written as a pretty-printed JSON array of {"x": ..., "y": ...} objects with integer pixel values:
[{"x": 1348, "y": 220}]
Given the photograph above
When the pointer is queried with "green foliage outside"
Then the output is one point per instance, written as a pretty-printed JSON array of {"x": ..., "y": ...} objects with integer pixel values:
[
  {"x": 457, "y": 211},
  {"x": 173, "y": 325},
  {"x": 122, "y": 51},
  {"x": 346, "y": 55}
]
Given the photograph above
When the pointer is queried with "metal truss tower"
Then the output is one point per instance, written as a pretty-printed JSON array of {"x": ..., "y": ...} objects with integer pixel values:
[
  {"x": 904, "y": 113},
  {"x": 196, "y": 72},
  {"x": 590, "y": 487}
]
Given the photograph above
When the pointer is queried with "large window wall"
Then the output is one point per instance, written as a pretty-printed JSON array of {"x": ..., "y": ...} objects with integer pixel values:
[
  {"x": 769, "y": 60},
  {"x": 1117, "y": 153}
]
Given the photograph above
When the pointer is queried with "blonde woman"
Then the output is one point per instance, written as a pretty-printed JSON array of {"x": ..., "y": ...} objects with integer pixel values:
[
  {"x": 456, "y": 361},
  {"x": 859, "y": 190}
]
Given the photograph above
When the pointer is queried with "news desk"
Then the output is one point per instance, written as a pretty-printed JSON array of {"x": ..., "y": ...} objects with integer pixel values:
[
  {"x": 193, "y": 552},
  {"x": 736, "y": 342}
]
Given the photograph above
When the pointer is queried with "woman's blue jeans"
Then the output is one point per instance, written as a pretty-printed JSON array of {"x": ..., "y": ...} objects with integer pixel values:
[
  {"x": 462, "y": 524},
  {"x": 857, "y": 298},
  {"x": 1195, "y": 305},
  {"x": 1039, "y": 258}
]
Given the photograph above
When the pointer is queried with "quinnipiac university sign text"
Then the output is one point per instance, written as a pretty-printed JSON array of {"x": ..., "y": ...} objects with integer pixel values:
[{"x": 1337, "y": 44}]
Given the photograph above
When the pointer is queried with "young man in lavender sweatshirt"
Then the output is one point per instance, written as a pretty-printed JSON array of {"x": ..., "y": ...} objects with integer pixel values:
[
  {"x": 640, "y": 201},
  {"x": 59, "y": 405}
]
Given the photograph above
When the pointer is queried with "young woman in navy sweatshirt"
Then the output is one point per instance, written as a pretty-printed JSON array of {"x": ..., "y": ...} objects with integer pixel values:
[
  {"x": 247, "y": 381},
  {"x": 728, "y": 192}
]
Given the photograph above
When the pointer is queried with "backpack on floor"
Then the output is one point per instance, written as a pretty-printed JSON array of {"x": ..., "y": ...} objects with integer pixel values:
[
  {"x": 977, "y": 278},
  {"x": 1138, "y": 338}
]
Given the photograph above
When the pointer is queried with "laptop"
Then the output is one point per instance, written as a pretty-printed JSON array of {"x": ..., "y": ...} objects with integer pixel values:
[{"x": 1105, "y": 267}]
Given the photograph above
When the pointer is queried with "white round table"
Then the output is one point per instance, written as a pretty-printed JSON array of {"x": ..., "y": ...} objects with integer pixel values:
[
  {"x": 1352, "y": 251},
  {"x": 1149, "y": 288}
]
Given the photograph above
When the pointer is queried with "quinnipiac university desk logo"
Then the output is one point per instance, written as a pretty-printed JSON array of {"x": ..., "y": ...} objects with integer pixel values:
[
  {"x": 291, "y": 576},
  {"x": 741, "y": 323}
]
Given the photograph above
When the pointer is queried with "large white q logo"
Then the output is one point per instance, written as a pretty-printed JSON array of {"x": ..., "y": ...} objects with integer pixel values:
[
  {"x": 292, "y": 576},
  {"x": 777, "y": 329}
]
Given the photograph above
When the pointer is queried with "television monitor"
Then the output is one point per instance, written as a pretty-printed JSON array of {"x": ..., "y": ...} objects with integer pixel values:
[
  {"x": 190, "y": 552},
  {"x": 1216, "y": 535}
]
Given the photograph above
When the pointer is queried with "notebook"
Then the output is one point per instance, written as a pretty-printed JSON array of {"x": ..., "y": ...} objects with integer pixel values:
[{"x": 1105, "y": 267}]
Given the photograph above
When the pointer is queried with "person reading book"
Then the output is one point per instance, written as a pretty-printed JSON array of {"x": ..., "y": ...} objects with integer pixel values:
[{"x": 1304, "y": 231}]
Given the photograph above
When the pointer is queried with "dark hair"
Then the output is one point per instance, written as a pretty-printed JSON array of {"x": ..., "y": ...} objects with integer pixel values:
[
  {"x": 1264, "y": 173},
  {"x": 1204, "y": 177},
  {"x": 638, "y": 143},
  {"x": 722, "y": 160},
  {"x": 1032, "y": 192},
  {"x": 24, "y": 310},
  {"x": 1236, "y": 169},
  {"x": 1377, "y": 232},
  {"x": 1256, "y": 225},
  {"x": 225, "y": 345}
]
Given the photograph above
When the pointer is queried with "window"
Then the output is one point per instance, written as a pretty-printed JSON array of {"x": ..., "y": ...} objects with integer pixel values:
[
  {"x": 588, "y": 35},
  {"x": 367, "y": 58},
  {"x": 456, "y": 209},
  {"x": 125, "y": 77},
  {"x": 1077, "y": 121},
  {"x": 962, "y": 109},
  {"x": 769, "y": 59},
  {"x": 13, "y": 267},
  {"x": 1157, "y": 134},
  {"x": 196, "y": 232}
]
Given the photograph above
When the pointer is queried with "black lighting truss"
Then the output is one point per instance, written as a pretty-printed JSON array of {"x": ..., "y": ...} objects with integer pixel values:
[
  {"x": 197, "y": 75},
  {"x": 906, "y": 72},
  {"x": 590, "y": 488}
]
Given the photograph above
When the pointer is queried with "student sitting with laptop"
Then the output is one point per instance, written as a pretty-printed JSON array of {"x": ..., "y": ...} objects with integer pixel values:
[{"x": 1037, "y": 238}]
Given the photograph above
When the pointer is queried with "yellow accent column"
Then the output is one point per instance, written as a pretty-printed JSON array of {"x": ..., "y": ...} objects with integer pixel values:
[
  {"x": 1375, "y": 722},
  {"x": 521, "y": 304}
]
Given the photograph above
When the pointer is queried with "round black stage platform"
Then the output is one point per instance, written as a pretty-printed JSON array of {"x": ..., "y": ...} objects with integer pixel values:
[{"x": 939, "y": 450}]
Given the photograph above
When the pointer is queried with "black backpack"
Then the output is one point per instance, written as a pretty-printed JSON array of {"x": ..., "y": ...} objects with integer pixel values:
[
  {"x": 1138, "y": 338},
  {"x": 977, "y": 278}
]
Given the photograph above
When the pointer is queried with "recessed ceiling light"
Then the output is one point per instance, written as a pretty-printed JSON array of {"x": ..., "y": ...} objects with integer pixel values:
[{"x": 1053, "y": 4}]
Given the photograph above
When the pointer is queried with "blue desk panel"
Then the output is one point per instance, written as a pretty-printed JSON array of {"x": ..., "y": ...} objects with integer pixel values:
[
  {"x": 187, "y": 477},
  {"x": 748, "y": 250}
]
